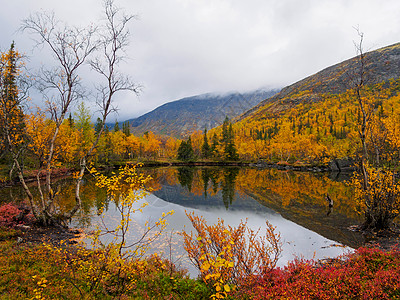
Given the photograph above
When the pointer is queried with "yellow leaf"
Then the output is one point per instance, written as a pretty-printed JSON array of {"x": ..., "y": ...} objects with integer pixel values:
[{"x": 206, "y": 266}]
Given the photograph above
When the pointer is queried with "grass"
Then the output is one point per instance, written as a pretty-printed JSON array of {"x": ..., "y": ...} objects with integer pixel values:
[{"x": 49, "y": 272}]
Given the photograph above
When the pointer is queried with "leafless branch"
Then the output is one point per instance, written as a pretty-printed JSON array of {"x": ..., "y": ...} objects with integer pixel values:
[{"x": 61, "y": 84}]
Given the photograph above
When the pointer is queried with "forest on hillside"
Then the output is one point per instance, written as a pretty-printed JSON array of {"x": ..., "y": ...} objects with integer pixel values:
[{"x": 314, "y": 132}]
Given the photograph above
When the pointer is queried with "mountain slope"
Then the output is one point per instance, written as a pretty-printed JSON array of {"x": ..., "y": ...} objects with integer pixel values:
[
  {"x": 381, "y": 65},
  {"x": 186, "y": 115},
  {"x": 318, "y": 118}
]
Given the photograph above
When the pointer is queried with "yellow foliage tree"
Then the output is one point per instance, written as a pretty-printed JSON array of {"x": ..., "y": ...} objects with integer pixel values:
[{"x": 151, "y": 145}]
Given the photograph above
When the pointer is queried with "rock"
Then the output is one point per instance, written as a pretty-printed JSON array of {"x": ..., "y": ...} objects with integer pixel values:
[
  {"x": 22, "y": 226},
  {"x": 346, "y": 165},
  {"x": 342, "y": 165},
  {"x": 333, "y": 165}
]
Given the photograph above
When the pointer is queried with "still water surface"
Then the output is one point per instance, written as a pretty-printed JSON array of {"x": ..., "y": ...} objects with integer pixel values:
[{"x": 293, "y": 202}]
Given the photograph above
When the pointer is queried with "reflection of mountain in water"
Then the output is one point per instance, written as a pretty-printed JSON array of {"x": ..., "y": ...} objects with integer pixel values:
[
  {"x": 298, "y": 197},
  {"x": 315, "y": 219},
  {"x": 179, "y": 195}
]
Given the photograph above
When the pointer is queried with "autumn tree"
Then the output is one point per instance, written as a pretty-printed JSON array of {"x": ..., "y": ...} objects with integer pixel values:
[
  {"x": 151, "y": 145},
  {"x": 60, "y": 86},
  {"x": 171, "y": 147},
  {"x": 358, "y": 81},
  {"x": 72, "y": 47},
  {"x": 39, "y": 129},
  {"x": 12, "y": 95},
  {"x": 229, "y": 256},
  {"x": 377, "y": 190},
  {"x": 133, "y": 146},
  {"x": 118, "y": 142},
  {"x": 113, "y": 41},
  {"x": 70, "y": 142}
]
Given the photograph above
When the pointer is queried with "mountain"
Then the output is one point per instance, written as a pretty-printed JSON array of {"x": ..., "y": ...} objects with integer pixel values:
[
  {"x": 381, "y": 65},
  {"x": 182, "y": 117},
  {"x": 318, "y": 119}
]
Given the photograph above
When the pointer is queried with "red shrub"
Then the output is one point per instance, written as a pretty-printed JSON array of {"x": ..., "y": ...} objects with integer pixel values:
[
  {"x": 8, "y": 214},
  {"x": 365, "y": 274}
]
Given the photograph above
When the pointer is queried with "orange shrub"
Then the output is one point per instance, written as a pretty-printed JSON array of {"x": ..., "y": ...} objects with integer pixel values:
[{"x": 231, "y": 256}]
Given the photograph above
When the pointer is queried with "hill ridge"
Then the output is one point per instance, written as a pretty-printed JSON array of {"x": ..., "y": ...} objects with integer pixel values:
[
  {"x": 384, "y": 62},
  {"x": 181, "y": 117}
]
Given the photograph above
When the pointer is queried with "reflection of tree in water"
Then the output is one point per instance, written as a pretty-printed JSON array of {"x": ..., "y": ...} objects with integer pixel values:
[
  {"x": 102, "y": 201},
  {"x": 225, "y": 179},
  {"x": 205, "y": 176},
  {"x": 228, "y": 185},
  {"x": 214, "y": 174},
  {"x": 91, "y": 197},
  {"x": 185, "y": 177}
]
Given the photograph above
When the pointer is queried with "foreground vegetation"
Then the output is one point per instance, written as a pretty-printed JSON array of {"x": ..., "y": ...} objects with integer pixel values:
[
  {"x": 44, "y": 271},
  {"x": 48, "y": 272}
]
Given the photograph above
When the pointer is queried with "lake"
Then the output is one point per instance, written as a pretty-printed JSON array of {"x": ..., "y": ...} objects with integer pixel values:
[{"x": 294, "y": 202}]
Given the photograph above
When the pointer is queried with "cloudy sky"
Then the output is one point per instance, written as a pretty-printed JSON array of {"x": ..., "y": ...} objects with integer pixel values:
[{"x": 182, "y": 48}]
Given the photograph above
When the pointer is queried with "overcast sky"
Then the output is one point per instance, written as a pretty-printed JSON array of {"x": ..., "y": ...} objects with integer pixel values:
[{"x": 181, "y": 48}]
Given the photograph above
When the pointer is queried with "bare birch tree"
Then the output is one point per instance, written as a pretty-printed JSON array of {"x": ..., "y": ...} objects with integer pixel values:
[
  {"x": 114, "y": 38},
  {"x": 72, "y": 48},
  {"x": 376, "y": 188}
]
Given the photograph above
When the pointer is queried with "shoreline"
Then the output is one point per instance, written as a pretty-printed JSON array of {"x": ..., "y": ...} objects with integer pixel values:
[
  {"x": 284, "y": 166},
  {"x": 333, "y": 167}
]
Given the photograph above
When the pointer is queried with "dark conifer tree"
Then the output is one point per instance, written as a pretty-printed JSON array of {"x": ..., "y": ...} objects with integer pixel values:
[
  {"x": 97, "y": 126},
  {"x": 230, "y": 150},
  {"x": 11, "y": 115},
  {"x": 214, "y": 145},
  {"x": 116, "y": 126},
  {"x": 71, "y": 121},
  {"x": 205, "y": 149},
  {"x": 185, "y": 150},
  {"x": 228, "y": 141},
  {"x": 125, "y": 128}
]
